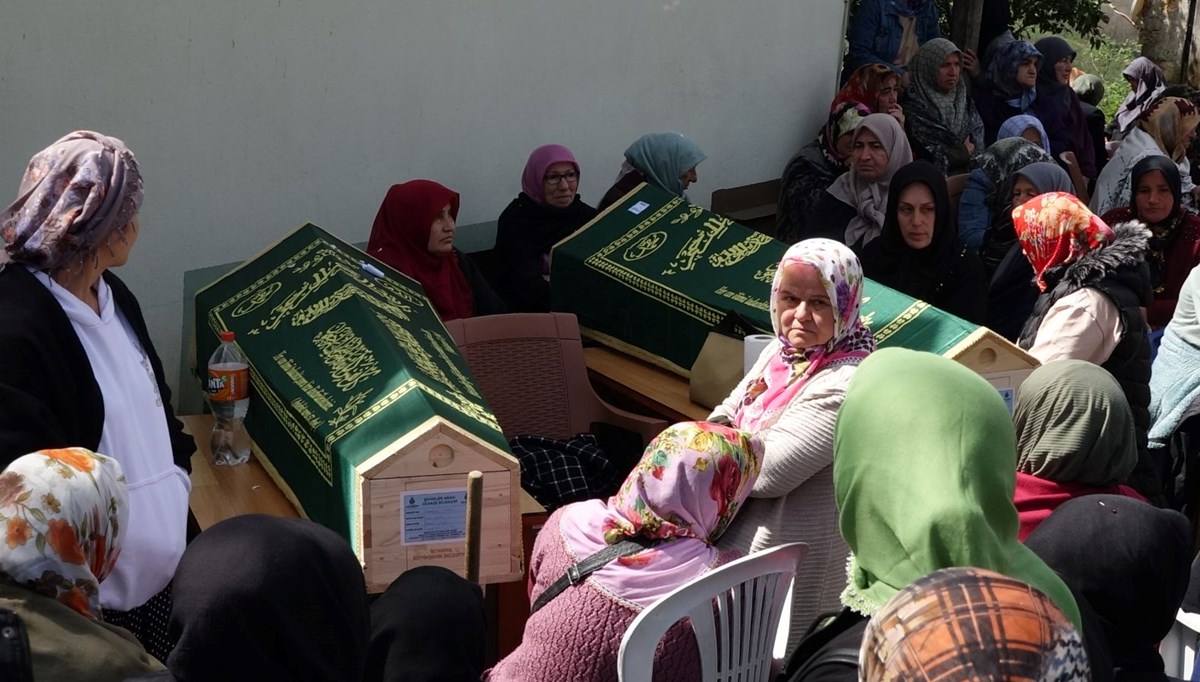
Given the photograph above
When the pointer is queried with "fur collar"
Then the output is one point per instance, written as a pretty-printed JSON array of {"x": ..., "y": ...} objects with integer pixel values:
[{"x": 1127, "y": 249}]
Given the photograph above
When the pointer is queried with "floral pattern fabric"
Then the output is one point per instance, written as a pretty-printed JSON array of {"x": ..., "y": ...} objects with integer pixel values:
[
  {"x": 1056, "y": 229},
  {"x": 74, "y": 195},
  {"x": 63, "y": 513}
]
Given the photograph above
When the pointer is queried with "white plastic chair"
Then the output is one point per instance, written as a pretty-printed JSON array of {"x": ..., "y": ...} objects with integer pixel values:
[
  {"x": 735, "y": 612},
  {"x": 1178, "y": 650}
]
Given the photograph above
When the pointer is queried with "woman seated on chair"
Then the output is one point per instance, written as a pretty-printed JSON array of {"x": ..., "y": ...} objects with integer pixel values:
[
  {"x": 666, "y": 160},
  {"x": 942, "y": 123},
  {"x": 547, "y": 210},
  {"x": 1175, "y": 242},
  {"x": 664, "y": 523},
  {"x": 919, "y": 252},
  {"x": 851, "y": 209},
  {"x": 1166, "y": 128},
  {"x": 414, "y": 233},
  {"x": 984, "y": 220},
  {"x": 1075, "y": 437},
  {"x": 922, "y": 484},
  {"x": 1057, "y": 105},
  {"x": 1010, "y": 87},
  {"x": 791, "y": 398}
]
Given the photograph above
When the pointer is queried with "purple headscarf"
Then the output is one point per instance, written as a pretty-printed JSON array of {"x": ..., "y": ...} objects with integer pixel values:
[
  {"x": 74, "y": 194},
  {"x": 535, "y": 168}
]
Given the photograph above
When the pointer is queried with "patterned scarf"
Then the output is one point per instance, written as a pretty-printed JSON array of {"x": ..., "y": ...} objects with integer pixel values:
[
  {"x": 1003, "y": 72},
  {"x": 950, "y": 112},
  {"x": 689, "y": 484},
  {"x": 971, "y": 624},
  {"x": 64, "y": 512},
  {"x": 864, "y": 84},
  {"x": 844, "y": 117},
  {"x": 1015, "y": 126},
  {"x": 1170, "y": 122},
  {"x": 1055, "y": 229},
  {"x": 789, "y": 369},
  {"x": 73, "y": 196},
  {"x": 1150, "y": 84}
]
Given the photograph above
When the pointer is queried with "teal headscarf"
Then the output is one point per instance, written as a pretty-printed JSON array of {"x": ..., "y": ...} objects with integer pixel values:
[
  {"x": 663, "y": 158},
  {"x": 923, "y": 473}
]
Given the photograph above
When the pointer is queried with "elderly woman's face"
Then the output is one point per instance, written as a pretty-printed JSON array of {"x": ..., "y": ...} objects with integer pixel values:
[
  {"x": 120, "y": 243},
  {"x": 806, "y": 315},
  {"x": 560, "y": 184},
  {"x": 949, "y": 72},
  {"x": 1027, "y": 72},
  {"x": 441, "y": 233},
  {"x": 869, "y": 159},
  {"x": 1062, "y": 69},
  {"x": 689, "y": 176}
]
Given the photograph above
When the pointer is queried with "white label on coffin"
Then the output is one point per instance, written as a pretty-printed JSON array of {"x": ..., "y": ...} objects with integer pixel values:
[{"x": 432, "y": 516}]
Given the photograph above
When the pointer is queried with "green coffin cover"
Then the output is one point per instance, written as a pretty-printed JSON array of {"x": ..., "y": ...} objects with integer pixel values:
[
  {"x": 343, "y": 362},
  {"x": 653, "y": 273}
]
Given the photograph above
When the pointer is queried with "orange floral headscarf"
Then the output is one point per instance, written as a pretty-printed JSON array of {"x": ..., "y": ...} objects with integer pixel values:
[
  {"x": 62, "y": 513},
  {"x": 1056, "y": 229}
]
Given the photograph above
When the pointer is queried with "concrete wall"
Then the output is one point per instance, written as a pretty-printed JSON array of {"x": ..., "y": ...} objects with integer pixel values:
[{"x": 251, "y": 117}]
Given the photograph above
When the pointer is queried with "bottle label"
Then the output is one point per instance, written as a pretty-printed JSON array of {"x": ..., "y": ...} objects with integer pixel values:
[{"x": 228, "y": 384}]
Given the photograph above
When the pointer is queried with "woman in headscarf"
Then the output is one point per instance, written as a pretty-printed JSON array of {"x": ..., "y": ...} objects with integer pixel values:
[
  {"x": 1012, "y": 292},
  {"x": 79, "y": 368},
  {"x": 1090, "y": 89},
  {"x": 985, "y": 207},
  {"x": 923, "y": 484},
  {"x": 851, "y": 209},
  {"x": 1010, "y": 88},
  {"x": 1028, "y": 127},
  {"x": 814, "y": 169},
  {"x": 666, "y": 160},
  {"x": 972, "y": 624},
  {"x": 414, "y": 233},
  {"x": 877, "y": 87},
  {"x": 942, "y": 122},
  {"x": 790, "y": 398},
  {"x": 1175, "y": 399},
  {"x": 889, "y": 32},
  {"x": 1166, "y": 128},
  {"x": 1129, "y": 561},
  {"x": 919, "y": 252},
  {"x": 547, "y": 210},
  {"x": 1146, "y": 84},
  {"x": 1157, "y": 201},
  {"x": 267, "y": 598},
  {"x": 1075, "y": 437},
  {"x": 1094, "y": 283},
  {"x": 65, "y": 514},
  {"x": 674, "y": 505},
  {"x": 1057, "y": 105}
]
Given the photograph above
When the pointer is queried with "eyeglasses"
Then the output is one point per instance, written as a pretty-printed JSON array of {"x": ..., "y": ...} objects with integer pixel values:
[{"x": 555, "y": 178}]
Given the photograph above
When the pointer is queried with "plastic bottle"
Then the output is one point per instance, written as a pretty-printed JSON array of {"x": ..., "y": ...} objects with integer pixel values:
[{"x": 229, "y": 398}]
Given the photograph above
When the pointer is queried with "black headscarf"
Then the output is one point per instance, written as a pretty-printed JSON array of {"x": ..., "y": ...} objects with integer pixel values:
[
  {"x": 1163, "y": 234},
  {"x": 890, "y": 261},
  {"x": 427, "y": 627},
  {"x": 265, "y": 598},
  {"x": 1053, "y": 49},
  {"x": 1130, "y": 560}
]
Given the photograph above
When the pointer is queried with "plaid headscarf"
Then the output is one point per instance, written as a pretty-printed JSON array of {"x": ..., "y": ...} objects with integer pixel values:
[
  {"x": 1056, "y": 229},
  {"x": 74, "y": 195},
  {"x": 971, "y": 624}
]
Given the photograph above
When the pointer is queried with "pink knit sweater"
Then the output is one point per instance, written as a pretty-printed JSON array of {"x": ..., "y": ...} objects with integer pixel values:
[{"x": 577, "y": 635}]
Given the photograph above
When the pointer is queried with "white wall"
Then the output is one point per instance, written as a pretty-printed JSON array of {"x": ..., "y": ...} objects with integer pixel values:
[{"x": 250, "y": 117}]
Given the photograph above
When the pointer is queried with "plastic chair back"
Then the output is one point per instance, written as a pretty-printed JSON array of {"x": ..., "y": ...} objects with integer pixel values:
[{"x": 735, "y": 612}]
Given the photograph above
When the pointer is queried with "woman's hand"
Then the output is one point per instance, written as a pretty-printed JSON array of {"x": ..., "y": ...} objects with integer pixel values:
[
  {"x": 897, "y": 112},
  {"x": 970, "y": 63}
]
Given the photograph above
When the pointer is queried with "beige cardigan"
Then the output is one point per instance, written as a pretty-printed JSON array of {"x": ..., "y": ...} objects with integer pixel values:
[{"x": 792, "y": 500}]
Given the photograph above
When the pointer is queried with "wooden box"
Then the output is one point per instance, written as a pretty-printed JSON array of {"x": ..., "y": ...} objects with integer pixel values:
[{"x": 361, "y": 408}]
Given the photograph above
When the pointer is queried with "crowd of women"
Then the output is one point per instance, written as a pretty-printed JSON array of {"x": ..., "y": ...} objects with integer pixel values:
[{"x": 948, "y": 537}]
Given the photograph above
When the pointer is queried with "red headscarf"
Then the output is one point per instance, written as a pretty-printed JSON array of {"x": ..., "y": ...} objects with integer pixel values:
[
  {"x": 864, "y": 84},
  {"x": 1055, "y": 229},
  {"x": 400, "y": 238}
]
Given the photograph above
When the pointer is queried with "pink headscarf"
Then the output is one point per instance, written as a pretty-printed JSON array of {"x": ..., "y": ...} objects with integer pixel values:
[
  {"x": 535, "y": 168},
  {"x": 686, "y": 489},
  {"x": 790, "y": 368}
]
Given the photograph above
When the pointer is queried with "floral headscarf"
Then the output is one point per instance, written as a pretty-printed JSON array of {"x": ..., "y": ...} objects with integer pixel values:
[
  {"x": 790, "y": 368},
  {"x": 689, "y": 484},
  {"x": 971, "y": 624},
  {"x": 844, "y": 117},
  {"x": 864, "y": 84},
  {"x": 1056, "y": 229},
  {"x": 1003, "y": 71},
  {"x": 64, "y": 514},
  {"x": 73, "y": 196},
  {"x": 1169, "y": 121}
]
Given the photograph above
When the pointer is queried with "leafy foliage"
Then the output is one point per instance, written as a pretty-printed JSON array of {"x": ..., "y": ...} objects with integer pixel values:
[{"x": 1080, "y": 17}]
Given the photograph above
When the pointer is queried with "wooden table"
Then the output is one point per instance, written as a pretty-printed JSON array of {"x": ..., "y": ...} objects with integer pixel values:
[
  {"x": 651, "y": 388},
  {"x": 221, "y": 492}
]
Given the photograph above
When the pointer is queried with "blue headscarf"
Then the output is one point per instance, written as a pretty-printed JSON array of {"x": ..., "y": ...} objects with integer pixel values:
[
  {"x": 663, "y": 158},
  {"x": 1003, "y": 72},
  {"x": 1014, "y": 126}
]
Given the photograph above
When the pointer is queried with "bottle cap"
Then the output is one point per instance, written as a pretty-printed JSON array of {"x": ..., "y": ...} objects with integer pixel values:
[{"x": 226, "y": 336}]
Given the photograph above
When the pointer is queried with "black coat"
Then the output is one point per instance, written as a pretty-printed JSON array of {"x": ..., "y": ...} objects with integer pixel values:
[{"x": 524, "y": 234}]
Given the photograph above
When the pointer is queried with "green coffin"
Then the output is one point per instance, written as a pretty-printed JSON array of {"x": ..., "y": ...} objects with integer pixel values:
[
  {"x": 652, "y": 274},
  {"x": 343, "y": 361}
]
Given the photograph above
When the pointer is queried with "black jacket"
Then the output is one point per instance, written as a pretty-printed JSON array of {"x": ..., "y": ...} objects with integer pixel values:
[
  {"x": 49, "y": 397},
  {"x": 524, "y": 235}
]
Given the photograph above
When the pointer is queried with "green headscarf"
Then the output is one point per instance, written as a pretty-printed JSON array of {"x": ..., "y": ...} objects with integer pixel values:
[
  {"x": 663, "y": 158},
  {"x": 923, "y": 475},
  {"x": 1074, "y": 425}
]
